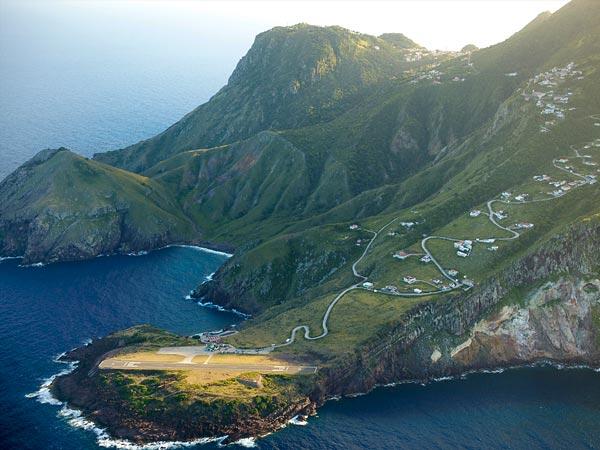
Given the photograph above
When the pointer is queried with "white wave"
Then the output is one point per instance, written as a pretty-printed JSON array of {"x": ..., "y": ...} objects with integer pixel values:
[
  {"x": 202, "y": 249},
  {"x": 37, "y": 264},
  {"x": 43, "y": 394},
  {"x": 443, "y": 379},
  {"x": 220, "y": 308},
  {"x": 246, "y": 442},
  {"x": 140, "y": 253},
  {"x": 356, "y": 394},
  {"x": 76, "y": 419},
  {"x": 209, "y": 277},
  {"x": 6, "y": 258},
  {"x": 296, "y": 420}
]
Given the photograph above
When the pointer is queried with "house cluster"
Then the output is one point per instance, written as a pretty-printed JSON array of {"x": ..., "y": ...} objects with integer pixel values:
[
  {"x": 432, "y": 75},
  {"x": 463, "y": 248},
  {"x": 551, "y": 102},
  {"x": 541, "y": 177},
  {"x": 415, "y": 54}
]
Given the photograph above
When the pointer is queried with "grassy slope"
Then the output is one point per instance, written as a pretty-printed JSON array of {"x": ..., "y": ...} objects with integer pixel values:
[
  {"x": 487, "y": 165},
  {"x": 331, "y": 70},
  {"x": 51, "y": 206}
]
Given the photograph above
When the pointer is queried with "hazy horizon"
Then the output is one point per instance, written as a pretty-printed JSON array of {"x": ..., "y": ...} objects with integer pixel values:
[{"x": 95, "y": 76}]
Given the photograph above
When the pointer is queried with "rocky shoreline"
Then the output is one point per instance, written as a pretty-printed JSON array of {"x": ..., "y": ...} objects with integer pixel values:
[
  {"x": 554, "y": 318},
  {"x": 82, "y": 390}
]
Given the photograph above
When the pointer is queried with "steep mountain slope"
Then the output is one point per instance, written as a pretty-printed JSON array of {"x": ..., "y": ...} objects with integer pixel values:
[
  {"x": 446, "y": 219},
  {"x": 60, "y": 206},
  {"x": 501, "y": 155},
  {"x": 291, "y": 77}
]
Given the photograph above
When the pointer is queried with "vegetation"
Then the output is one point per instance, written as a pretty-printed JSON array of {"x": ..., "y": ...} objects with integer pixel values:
[{"x": 350, "y": 129}]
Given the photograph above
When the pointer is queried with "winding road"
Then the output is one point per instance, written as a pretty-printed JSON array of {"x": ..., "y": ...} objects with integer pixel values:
[{"x": 457, "y": 284}]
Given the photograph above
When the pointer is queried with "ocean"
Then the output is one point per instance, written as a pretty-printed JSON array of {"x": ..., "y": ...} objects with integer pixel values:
[
  {"x": 66, "y": 81},
  {"x": 48, "y": 310}
]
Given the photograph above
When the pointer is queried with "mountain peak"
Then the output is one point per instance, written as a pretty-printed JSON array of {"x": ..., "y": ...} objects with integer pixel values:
[{"x": 399, "y": 40}]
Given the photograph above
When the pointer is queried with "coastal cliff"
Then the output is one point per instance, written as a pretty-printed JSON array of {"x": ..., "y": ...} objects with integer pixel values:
[{"x": 545, "y": 307}]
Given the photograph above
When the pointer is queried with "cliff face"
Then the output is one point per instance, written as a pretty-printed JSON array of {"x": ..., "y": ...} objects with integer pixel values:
[
  {"x": 556, "y": 324},
  {"x": 544, "y": 307}
]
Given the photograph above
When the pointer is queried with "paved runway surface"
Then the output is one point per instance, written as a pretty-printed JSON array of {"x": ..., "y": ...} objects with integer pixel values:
[{"x": 147, "y": 365}]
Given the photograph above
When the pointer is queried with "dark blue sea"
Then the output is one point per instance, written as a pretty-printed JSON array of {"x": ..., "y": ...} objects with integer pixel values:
[
  {"x": 47, "y": 310},
  {"x": 91, "y": 77}
]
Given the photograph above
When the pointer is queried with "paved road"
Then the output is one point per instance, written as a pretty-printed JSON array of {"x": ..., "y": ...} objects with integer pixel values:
[
  {"x": 490, "y": 214},
  {"x": 111, "y": 364}
]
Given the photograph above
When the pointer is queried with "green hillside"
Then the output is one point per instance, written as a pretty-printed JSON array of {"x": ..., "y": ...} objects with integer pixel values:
[
  {"x": 321, "y": 128},
  {"x": 291, "y": 77},
  {"x": 60, "y": 206}
]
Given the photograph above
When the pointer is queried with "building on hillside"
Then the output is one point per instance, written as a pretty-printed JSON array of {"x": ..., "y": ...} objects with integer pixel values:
[
  {"x": 367, "y": 285},
  {"x": 452, "y": 272},
  {"x": 402, "y": 255},
  {"x": 426, "y": 259},
  {"x": 475, "y": 213},
  {"x": 390, "y": 289},
  {"x": 409, "y": 279},
  {"x": 354, "y": 226}
]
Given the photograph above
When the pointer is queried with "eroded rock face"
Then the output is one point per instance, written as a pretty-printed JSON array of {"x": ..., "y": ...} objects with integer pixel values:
[{"x": 556, "y": 323}]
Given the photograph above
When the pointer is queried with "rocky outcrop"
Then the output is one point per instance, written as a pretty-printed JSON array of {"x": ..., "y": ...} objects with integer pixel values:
[{"x": 557, "y": 323}]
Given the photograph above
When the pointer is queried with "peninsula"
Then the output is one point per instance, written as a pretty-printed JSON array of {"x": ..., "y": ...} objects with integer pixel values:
[{"x": 394, "y": 214}]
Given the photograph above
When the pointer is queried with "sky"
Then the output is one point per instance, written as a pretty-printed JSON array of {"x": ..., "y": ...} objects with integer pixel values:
[
  {"x": 100, "y": 74},
  {"x": 436, "y": 24}
]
